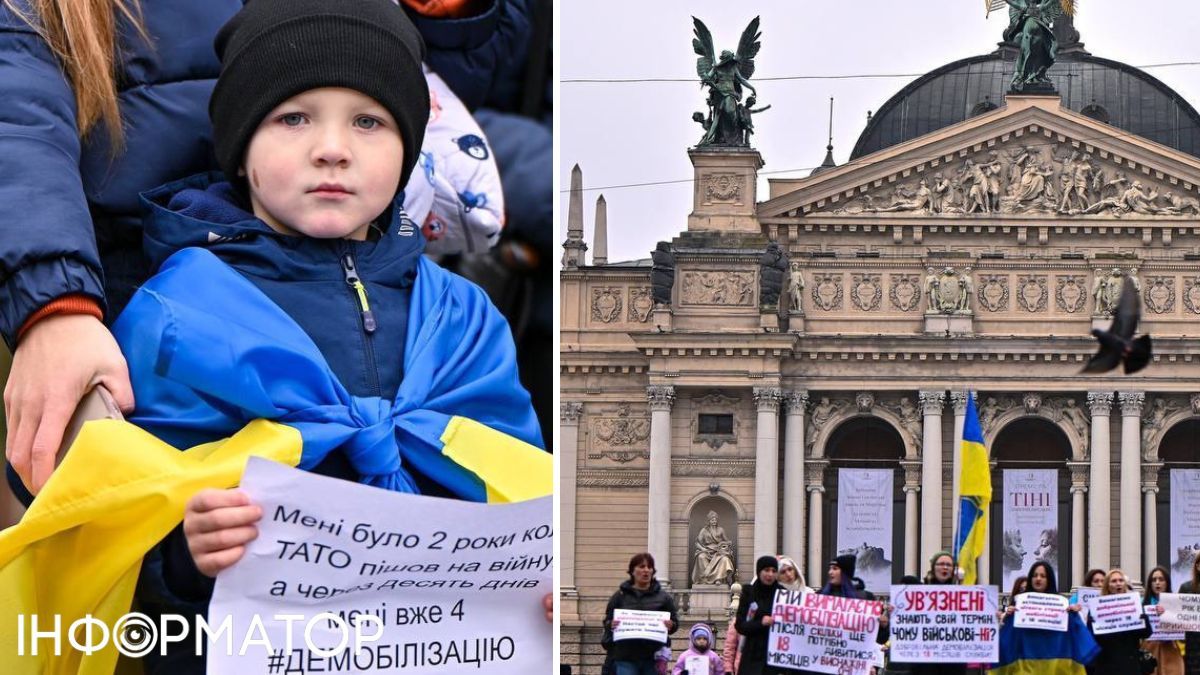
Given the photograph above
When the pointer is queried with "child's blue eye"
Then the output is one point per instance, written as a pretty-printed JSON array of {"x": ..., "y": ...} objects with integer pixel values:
[
  {"x": 292, "y": 119},
  {"x": 367, "y": 123}
]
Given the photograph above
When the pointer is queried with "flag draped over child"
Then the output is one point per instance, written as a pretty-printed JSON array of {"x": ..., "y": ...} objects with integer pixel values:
[
  {"x": 975, "y": 490},
  {"x": 210, "y": 355}
]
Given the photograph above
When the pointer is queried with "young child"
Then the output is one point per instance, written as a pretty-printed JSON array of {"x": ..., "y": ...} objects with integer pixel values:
[
  {"x": 701, "y": 639},
  {"x": 294, "y": 288}
]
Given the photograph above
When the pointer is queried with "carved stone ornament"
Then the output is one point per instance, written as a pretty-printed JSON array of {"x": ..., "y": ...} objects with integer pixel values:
[
  {"x": 1154, "y": 417},
  {"x": 866, "y": 290},
  {"x": 1032, "y": 292},
  {"x": 823, "y": 411},
  {"x": 827, "y": 291},
  {"x": 622, "y": 438},
  {"x": 640, "y": 304},
  {"x": 1191, "y": 294},
  {"x": 865, "y": 401},
  {"x": 569, "y": 411},
  {"x": 993, "y": 292},
  {"x": 906, "y": 292},
  {"x": 606, "y": 304},
  {"x": 910, "y": 417},
  {"x": 949, "y": 292},
  {"x": 723, "y": 187},
  {"x": 1071, "y": 295},
  {"x": 1032, "y": 402},
  {"x": 718, "y": 288},
  {"x": 1106, "y": 290},
  {"x": 1160, "y": 294}
]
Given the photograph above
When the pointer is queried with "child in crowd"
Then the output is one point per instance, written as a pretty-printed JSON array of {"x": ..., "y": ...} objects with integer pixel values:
[
  {"x": 701, "y": 639},
  {"x": 293, "y": 287}
]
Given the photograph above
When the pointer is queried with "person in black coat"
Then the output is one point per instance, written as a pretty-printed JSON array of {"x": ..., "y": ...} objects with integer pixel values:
[
  {"x": 1118, "y": 651},
  {"x": 754, "y": 617},
  {"x": 941, "y": 573},
  {"x": 1191, "y": 644},
  {"x": 641, "y": 592}
]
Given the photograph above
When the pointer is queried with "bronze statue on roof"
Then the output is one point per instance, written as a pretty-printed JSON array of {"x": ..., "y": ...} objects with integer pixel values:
[
  {"x": 728, "y": 122},
  {"x": 1031, "y": 27}
]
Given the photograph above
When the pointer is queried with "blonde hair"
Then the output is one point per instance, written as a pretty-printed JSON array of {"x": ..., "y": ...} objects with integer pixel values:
[
  {"x": 82, "y": 34},
  {"x": 1107, "y": 590}
]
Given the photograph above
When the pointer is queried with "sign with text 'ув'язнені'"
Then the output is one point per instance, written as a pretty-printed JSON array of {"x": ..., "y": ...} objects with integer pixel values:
[{"x": 944, "y": 624}]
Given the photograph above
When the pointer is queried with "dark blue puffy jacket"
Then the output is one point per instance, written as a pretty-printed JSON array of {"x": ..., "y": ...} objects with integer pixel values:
[
  {"x": 70, "y": 219},
  {"x": 69, "y": 206}
]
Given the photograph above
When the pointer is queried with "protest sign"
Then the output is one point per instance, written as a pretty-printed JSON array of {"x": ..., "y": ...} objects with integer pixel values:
[
  {"x": 1086, "y": 596},
  {"x": 638, "y": 624},
  {"x": 1117, "y": 613},
  {"x": 1181, "y": 612},
  {"x": 1041, "y": 610},
  {"x": 1159, "y": 635},
  {"x": 696, "y": 665},
  {"x": 346, "y": 577},
  {"x": 945, "y": 624},
  {"x": 824, "y": 633}
]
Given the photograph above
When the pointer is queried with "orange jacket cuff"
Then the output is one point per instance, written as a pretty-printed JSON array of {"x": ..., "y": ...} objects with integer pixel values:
[{"x": 67, "y": 304}]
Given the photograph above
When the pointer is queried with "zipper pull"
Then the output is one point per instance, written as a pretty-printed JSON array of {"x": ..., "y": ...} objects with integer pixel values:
[{"x": 352, "y": 280}]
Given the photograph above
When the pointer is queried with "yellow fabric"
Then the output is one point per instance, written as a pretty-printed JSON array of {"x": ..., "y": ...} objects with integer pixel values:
[
  {"x": 79, "y": 548},
  {"x": 512, "y": 469},
  {"x": 1041, "y": 667},
  {"x": 976, "y": 480}
]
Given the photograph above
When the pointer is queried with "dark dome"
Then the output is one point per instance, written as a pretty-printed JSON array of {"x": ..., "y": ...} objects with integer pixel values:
[{"x": 1108, "y": 91}]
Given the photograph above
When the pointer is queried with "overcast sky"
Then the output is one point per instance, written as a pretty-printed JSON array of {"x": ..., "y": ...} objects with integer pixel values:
[{"x": 628, "y": 133}]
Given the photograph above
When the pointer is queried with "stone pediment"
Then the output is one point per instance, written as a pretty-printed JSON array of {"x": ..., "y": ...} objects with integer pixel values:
[{"x": 1031, "y": 158}]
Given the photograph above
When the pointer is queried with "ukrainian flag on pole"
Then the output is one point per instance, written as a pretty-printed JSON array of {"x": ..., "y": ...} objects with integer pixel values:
[{"x": 975, "y": 486}]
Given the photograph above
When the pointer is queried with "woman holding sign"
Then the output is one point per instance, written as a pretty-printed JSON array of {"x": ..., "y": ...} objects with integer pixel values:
[
  {"x": 941, "y": 573},
  {"x": 1044, "y": 650},
  {"x": 1191, "y": 645},
  {"x": 754, "y": 617},
  {"x": 1166, "y": 652},
  {"x": 635, "y": 656},
  {"x": 1118, "y": 651}
]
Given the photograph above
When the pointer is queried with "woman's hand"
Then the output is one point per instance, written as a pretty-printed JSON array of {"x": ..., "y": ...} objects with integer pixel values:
[
  {"x": 218, "y": 524},
  {"x": 548, "y": 607},
  {"x": 59, "y": 359},
  {"x": 1075, "y": 607},
  {"x": 768, "y": 620}
]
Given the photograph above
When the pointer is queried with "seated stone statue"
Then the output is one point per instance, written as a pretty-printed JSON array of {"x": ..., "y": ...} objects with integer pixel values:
[{"x": 714, "y": 555}]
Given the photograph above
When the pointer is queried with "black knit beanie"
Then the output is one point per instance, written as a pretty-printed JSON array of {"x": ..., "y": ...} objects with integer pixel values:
[
  {"x": 765, "y": 562},
  {"x": 846, "y": 562},
  {"x": 273, "y": 50}
]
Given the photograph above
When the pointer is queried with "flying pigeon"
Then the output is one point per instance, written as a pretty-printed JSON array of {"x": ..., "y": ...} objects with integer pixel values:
[{"x": 1117, "y": 344}]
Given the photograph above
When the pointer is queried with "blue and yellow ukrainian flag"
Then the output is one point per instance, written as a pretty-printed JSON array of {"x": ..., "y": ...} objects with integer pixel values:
[
  {"x": 975, "y": 489},
  {"x": 1030, "y": 651}
]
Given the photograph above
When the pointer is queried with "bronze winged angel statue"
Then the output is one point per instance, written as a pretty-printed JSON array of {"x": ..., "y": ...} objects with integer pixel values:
[
  {"x": 729, "y": 120},
  {"x": 1031, "y": 27}
]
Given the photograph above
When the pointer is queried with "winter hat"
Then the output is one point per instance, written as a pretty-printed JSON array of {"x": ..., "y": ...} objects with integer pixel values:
[
  {"x": 846, "y": 563},
  {"x": 701, "y": 630},
  {"x": 272, "y": 50},
  {"x": 765, "y": 562}
]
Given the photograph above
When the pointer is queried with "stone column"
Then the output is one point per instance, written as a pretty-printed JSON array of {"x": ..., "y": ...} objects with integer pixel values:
[
  {"x": 661, "y": 398},
  {"x": 1099, "y": 507},
  {"x": 1079, "y": 488},
  {"x": 1150, "y": 513},
  {"x": 795, "y": 403},
  {"x": 766, "y": 471},
  {"x": 959, "y": 400},
  {"x": 568, "y": 449},
  {"x": 1131, "y": 473},
  {"x": 931, "y": 473},
  {"x": 912, "y": 486},
  {"x": 815, "y": 475}
]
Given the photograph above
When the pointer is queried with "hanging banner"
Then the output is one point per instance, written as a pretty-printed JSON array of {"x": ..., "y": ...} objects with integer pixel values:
[
  {"x": 1185, "y": 521},
  {"x": 1030, "y": 521},
  {"x": 945, "y": 624},
  {"x": 864, "y": 527},
  {"x": 824, "y": 633}
]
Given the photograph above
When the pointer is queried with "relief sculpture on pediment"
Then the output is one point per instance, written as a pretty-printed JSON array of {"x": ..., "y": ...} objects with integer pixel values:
[{"x": 1016, "y": 179}]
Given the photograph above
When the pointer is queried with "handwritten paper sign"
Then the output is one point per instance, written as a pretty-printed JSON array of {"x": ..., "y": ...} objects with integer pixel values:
[
  {"x": 945, "y": 624},
  {"x": 638, "y": 624},
  {"x": 1086, "y": 595},
  {"x": 1045, "y": 611},
  {"x": 349, "y": 577},
  {"x": 824, "y": 633},
  {"x": 1158, "y": 634},
  {"x": 697, "y": 665},
  {"x": 1181, "y": 612},
  {"x": 1117, "y": 613}
]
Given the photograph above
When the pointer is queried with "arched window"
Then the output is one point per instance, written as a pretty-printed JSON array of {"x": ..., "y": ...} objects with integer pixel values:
[{"x": 1097, "y": 112}]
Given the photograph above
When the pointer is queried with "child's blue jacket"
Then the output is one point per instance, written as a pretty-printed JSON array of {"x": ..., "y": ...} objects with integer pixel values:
[{"x": 241, "y": 322}]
